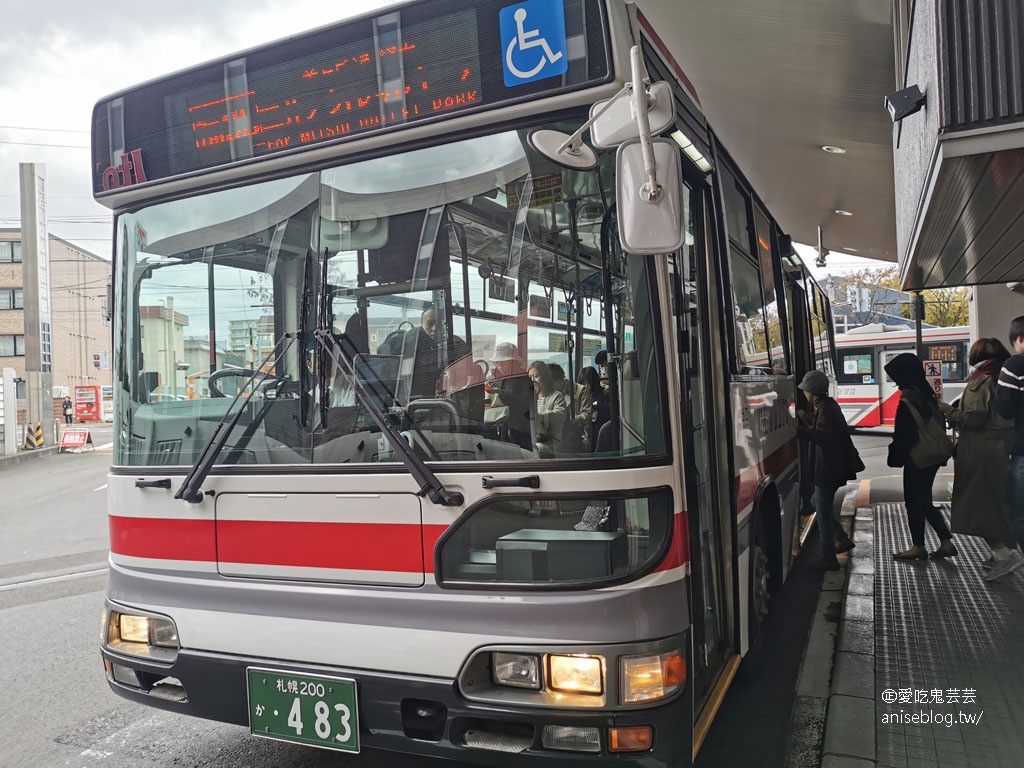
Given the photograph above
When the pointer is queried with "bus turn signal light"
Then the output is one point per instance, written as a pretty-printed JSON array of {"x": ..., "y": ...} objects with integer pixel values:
[
  {"x": 649, "y": 678},
  {"x": 635, "y": 738}
]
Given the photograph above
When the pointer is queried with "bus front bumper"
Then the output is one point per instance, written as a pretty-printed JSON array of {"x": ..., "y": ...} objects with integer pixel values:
[{"x": 413, "y": 715}]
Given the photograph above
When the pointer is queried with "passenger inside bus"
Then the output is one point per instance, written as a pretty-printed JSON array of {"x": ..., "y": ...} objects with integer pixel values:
[
  {"x": 425, "y": 353},
  {"x": 551, "y": 410},
  {"x": 510, "y": 397}
]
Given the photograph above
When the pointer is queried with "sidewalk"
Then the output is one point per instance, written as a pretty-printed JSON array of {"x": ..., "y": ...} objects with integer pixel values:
[
  {"x": 28, "y": 455},
  {"x": 929, "y": 662}
]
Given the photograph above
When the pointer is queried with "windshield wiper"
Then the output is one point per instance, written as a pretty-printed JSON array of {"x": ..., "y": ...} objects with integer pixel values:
[
  {"x": 341, "y": 351},
  {"x": 190, "y": 488}
]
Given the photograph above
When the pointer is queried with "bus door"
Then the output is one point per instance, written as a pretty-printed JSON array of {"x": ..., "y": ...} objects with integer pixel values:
[
  {"x": 703, "y": 502},
  {"x": 888, "y": 392},
  {"x": 801, "y": 344}
]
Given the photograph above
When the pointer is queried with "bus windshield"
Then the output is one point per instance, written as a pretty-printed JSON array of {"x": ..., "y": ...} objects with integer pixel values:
[{"x": 467, "y": 280}]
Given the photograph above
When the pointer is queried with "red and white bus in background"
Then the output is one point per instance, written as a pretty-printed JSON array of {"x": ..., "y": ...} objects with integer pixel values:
[
  {"x": 393, "y": 540},
  {"x": 866, "y": 394}
]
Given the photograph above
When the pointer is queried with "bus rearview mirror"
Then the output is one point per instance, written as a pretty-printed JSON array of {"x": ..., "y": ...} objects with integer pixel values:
[
  {"x": 615, "y": 119},
  {"x": 650, "y": 221}
]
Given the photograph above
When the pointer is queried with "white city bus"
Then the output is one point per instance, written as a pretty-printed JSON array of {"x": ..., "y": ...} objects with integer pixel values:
[
  {"x": 367, "y": 529},
  {"x": 866, "y": 394}
]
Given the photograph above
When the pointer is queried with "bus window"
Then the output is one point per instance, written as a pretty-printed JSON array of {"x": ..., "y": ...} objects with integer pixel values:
[
  {"x": 753, "y": 348},
  {"x": 771, "y": 298},
  {"x": 857, "y": 366},
  {"x": 952, "y": 358},
  {"x": 470, "y": 247}
]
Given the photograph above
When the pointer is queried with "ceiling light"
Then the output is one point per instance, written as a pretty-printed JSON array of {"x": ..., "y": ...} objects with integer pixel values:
[
  {"x": 842, "y": 213},
  {"x": 851, "y": 250},
  {"x": 834, "y": 150}
]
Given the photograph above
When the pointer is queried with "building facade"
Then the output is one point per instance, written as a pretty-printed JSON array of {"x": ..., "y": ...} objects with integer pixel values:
[{"x": 81, "y": 337}]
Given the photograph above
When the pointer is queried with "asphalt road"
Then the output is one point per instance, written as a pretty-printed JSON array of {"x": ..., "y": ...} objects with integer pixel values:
[
  {"x": 57, "y": 710},
  {"x": 55, "y": 707}
]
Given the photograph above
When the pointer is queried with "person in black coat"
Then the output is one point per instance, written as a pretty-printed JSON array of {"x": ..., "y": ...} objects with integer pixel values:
[
  {"x": 827, "y": 430},
  {"x": 915, "y": 392}
]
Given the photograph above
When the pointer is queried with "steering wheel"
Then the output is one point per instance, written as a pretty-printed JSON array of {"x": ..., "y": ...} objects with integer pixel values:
[{"x": 246, "y": 373}]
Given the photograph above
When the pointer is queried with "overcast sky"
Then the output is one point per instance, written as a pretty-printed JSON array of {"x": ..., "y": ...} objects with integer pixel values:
[{"x": 62, "y": 56}]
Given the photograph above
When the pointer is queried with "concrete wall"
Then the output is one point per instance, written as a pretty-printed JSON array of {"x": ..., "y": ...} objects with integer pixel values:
[
  {"x": 915, "y": 137},
  {"x": 992, "y": 309}
]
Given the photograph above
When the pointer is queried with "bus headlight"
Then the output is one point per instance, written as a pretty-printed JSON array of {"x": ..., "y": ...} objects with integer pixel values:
[
  {"x": 137, "y": 634},
  {"x": 576, "y": 674},
  {"x": 649, "y": 678},
  {"x": 519, "y": 670}
]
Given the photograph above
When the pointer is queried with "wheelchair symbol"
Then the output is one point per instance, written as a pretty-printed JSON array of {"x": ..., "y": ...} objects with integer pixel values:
[{"x": 525, "y": 40}]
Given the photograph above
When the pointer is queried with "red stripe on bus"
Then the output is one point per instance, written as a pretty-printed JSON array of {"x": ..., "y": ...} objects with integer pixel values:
[
  {"x": 845, "y": 400},
  {"x": 353, "y": 546},
  {"x": 431, "y": 533},
  {"x": 163, "y": 539},
  {"x": 679, "y": 553},
  {"x": 749, "y": 479},
  {"x": 870, "y": 418},
  {"x": 889, "y": 406}
]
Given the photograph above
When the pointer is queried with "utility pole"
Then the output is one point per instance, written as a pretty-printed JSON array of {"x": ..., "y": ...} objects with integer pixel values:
[
  {"x": 918, "y": 315},
  {"x": 35, "y": 256}
]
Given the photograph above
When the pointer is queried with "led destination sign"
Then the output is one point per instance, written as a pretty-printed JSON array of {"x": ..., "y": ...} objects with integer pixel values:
[
  {"x": 424, "y": 60},
  {"x": 381, "y": 78}
]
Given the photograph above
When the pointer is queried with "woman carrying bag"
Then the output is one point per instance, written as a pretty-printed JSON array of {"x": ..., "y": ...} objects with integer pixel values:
[
  {"x": 982, "y": 453},
  {"x": 826, "y": 428},
  {"x": 917, "y": 419}
]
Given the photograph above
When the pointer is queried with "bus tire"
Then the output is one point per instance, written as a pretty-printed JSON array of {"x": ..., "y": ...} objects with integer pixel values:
[{"x": 764, "y": 581}]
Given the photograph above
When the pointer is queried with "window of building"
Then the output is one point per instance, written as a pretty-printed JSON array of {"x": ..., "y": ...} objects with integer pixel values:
[
  {"x": 12, "y": 346},
  {"x": 10, "y": 252},
  {"x": 45, "y": 354},
  {"x": 11, "y": 298}
]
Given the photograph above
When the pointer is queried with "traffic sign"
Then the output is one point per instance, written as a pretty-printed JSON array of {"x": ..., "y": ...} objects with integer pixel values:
[
  {"x": 75, "y": 440},
  {"x": 933, "y": 373}
]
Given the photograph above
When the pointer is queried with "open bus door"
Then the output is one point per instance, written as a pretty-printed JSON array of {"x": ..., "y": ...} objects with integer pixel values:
[{"x": 708, "y": 531}]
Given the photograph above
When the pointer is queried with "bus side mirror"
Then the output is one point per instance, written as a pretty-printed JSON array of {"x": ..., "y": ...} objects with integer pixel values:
[{"x": 650, "y": 220}]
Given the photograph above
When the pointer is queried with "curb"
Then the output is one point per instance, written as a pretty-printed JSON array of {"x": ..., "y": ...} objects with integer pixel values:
[
  {"x": 850, "y": 738},
  {"x": 815, "y": 706},
  {"x": 28, "y": 455}
]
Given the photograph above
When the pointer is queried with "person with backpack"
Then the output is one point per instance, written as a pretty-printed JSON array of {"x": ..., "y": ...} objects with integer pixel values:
[
  {"x": 915, "y": 446},
  {"x": 827, "y": 430},
  {"x": 982, "y": 453}
]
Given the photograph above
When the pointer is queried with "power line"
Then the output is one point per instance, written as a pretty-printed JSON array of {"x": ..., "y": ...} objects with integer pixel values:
[
  {"x": 49, "y": 130},
  {"x": 35, "y": 144}
]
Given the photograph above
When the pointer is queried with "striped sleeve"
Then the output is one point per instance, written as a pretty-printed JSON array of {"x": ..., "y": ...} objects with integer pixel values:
[{"x": 1010, "y": 392}]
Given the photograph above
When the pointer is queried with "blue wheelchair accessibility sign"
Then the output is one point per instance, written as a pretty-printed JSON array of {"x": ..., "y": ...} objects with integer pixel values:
[{"x": 533, "y": 41}]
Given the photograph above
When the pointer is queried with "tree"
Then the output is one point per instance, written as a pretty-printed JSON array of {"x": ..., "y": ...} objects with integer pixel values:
[
  {"x": 947, "y": 307},
  {"x": 873, "y": 295}
]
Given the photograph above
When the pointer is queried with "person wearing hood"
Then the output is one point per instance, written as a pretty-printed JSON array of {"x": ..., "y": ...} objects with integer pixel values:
[
  {"x": 916, "y": 393},
  {"x": 827, "y": 430}
]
